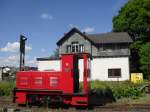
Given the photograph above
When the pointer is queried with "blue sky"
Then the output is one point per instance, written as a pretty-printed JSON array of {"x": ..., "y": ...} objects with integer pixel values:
[{"x": 44, "y": 22}]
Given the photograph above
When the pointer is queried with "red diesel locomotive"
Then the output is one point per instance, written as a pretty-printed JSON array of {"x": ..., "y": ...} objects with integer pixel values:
[{"x": 54, "y": 87}]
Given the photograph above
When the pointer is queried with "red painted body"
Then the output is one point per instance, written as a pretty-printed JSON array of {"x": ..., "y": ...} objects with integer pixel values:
[{"x": 53, "y": 86}]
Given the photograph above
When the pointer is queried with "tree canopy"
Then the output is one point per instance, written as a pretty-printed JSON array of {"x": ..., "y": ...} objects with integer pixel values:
[
  {"x": 145, "y": 59},
  {"x": 134, "y": 18}
]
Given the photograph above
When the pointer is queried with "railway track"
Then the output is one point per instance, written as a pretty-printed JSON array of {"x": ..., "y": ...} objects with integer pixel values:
[
  {"x": 8, "y": 106},
  {"x": 126, "y": 108}
]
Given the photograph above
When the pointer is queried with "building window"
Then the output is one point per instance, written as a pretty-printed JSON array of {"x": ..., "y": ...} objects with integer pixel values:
[
  {"x": 75, "y": 47},
  {"x": 81, "y": 48},
  {"x": 111, "y": 47},
  {"x": 68, "y": 48},
  {"x": 114, "y": 73}
]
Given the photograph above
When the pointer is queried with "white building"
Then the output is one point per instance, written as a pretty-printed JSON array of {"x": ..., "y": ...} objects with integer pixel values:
[{"x": 110, "y": 54}]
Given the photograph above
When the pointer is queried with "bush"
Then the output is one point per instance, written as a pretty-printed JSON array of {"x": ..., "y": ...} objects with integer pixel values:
[
  {"x": 6, "y": 88},
  {"x": 118, "y": 90},
  {"x": 127, "y": 92}
]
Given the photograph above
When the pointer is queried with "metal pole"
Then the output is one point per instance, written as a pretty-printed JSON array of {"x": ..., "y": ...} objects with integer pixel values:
[{"x": 22, "y": 51}]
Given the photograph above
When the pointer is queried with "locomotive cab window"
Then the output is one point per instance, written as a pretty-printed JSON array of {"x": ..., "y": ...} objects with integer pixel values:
[{"x": 114, "y": 73}]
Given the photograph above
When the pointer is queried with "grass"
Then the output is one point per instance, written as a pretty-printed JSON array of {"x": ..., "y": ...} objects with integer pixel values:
[
  {"x": 6, "y": 88},
  {"x": 144, "y": 100}
]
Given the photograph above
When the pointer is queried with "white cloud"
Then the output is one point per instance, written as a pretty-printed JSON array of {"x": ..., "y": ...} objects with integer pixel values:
[
  {"x": 13, "y": 47},
  {"x": 28, "y": 48},
  {"x": 31, "y": 62},
  {"x": 85, "y": 29},
  {"x": 10, "y": 47},
  {"x": 46, "y": 16},
  {"x": 13, "y": 60},
  {"x": 73, "y": 25},
  {"x": 88, "y": 29}
]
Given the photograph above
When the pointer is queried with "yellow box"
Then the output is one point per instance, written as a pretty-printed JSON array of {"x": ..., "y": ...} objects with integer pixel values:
[{"x": 136, "y": 77}]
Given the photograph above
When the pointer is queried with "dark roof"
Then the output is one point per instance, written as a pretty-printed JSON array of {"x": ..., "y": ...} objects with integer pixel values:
[
  {"x": 47, "y": 58},
  {"x": 112, "y": 37},
  {"x": 67, "y": 35}
]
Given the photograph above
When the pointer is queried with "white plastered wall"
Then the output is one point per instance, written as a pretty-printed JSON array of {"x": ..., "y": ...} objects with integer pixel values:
[
  {"x": 99, "y": 67},
  {"x": 49, "y": 65}
]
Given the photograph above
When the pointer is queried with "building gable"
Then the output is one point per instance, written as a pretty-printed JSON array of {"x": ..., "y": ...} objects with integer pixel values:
[
  {"x": 70, "y": 33},
  {"x": 74, "y": 41}
]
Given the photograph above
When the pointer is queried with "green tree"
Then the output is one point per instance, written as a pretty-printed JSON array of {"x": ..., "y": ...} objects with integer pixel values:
[
  {"x": 145, "y": 59},
  {"x": 134, "y": 18}
]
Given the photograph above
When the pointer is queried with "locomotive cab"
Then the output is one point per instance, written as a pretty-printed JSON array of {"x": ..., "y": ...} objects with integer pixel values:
[{"x": 70, "y": 68}]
